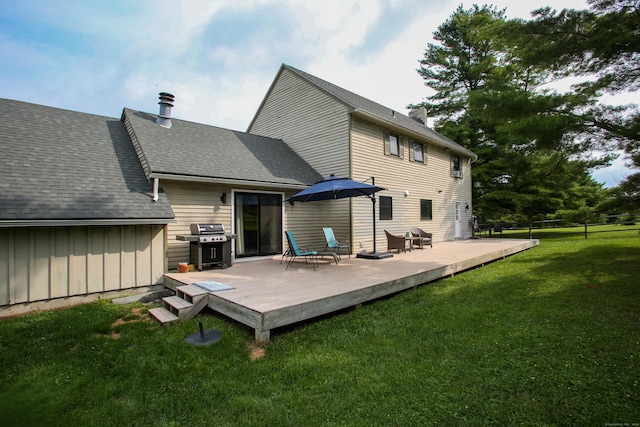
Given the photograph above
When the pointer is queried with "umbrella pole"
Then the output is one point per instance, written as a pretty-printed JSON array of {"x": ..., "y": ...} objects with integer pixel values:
[
  {"x": 374, "y": 254},
  {"x": 373, "y": 204}
]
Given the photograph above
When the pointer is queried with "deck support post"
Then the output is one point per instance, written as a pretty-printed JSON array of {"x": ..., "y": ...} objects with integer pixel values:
[{"x": 262, "y": 336}]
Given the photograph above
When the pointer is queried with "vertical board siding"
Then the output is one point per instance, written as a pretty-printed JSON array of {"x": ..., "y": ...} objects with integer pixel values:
[
  {"x": 430, "y": 180},
  {"x": 59, "y": 262},
  {"x": 95, "y": 260},
  {"x": 311, "y": 122},
  {"x": 6, "y": 253},
  {"x": 20, "y": 266},
  {"x": 112, "y": 256},
  {"x": 144, "y": 257},
  {"x": 40, "y": 245},
  {"x": 43, "y": 263},
  {"x": 78, "y": 251},
  {"x": 128, "y": 258}
]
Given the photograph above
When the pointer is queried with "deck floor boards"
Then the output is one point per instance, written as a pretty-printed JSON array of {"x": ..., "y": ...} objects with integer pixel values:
[{"x": 265, "y": 295}]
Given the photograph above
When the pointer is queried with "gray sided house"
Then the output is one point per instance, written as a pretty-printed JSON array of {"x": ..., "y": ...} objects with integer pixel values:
[
  {"x": 76, "y": 211},
  {"x": 92, "y": 204}
]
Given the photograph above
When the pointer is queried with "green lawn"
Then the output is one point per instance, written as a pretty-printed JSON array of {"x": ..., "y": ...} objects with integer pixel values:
[{"x": 550, "y": 336}]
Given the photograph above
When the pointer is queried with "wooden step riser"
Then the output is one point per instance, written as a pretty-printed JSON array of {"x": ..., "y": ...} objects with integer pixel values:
[
  {"x": 163, "y": 316},
  {"x": 183, "y": 309},
  {"x": 190, "y": 292}
]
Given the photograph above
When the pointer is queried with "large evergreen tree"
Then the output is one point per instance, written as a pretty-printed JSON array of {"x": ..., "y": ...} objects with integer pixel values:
[
  {"x": 601, "y": 46},
  {"x": 490, "y": 100}
]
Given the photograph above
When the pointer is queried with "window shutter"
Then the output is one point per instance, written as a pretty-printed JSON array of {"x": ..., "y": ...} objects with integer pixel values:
[
  {"x": 451, "y": 165},
  {"x": 387, "y": 150}
]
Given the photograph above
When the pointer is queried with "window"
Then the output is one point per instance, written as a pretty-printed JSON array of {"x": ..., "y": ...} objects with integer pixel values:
[
  {"x": 456, "y": 170},
  {"x": 426, "y": 209},
  {"x": 386, "y": 208},
  {"x": 394, "y": 145},
  {"x": 417, "y": 152}
]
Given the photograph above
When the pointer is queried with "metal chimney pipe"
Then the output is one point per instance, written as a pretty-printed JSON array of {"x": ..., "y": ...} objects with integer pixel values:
[{"x": 166, "y": 103}]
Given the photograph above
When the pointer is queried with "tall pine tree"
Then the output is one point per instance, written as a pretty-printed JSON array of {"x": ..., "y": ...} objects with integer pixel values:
[
  {"x": 492, "y": 102},
  {"x": 600, "y": 46}
]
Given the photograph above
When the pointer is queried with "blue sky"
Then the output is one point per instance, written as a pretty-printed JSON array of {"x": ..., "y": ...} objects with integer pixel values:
[{"x": 219, "y": 57}]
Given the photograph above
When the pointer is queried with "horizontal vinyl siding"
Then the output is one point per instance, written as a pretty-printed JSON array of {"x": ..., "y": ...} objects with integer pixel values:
[
  {"x": 430, "y": 180},
  {"x": 38, "y": 264},
  {"x": 306, "y": 221},
  {"x": 311, "y": 122},
  {"x": 193, "y": 203}
]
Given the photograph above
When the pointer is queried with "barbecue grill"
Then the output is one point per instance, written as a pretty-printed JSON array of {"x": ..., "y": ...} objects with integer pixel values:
[{"x": 209, "y": 245}]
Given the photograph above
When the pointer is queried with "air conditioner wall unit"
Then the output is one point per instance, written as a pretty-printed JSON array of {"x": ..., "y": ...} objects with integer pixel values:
[{"x": 457, "y": 174}]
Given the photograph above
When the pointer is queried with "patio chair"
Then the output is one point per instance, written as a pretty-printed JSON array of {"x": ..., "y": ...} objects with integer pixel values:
[
  {"x": 294, "y": 252},
  {"x": 425, "y": 238},
  {"x": 333, "y": 244},
  {"x": 395, "y": 242}
]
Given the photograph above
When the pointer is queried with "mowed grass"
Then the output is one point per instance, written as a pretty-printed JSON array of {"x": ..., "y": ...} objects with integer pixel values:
[{"x": 550, "y": 336}]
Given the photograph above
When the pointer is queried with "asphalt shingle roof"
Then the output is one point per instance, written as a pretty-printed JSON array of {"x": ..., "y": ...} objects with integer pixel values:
[
  {"x": 198, "y": 150},
  {"x": 64, "y": 165},
  {"x": 367, "y": 106}
]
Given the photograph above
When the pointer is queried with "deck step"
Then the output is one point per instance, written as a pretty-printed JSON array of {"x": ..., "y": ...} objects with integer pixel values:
[
  {"x": 164, "y": 316},
  {"x": 189, "y": 292},
  {"x": 176, "y": 302}
]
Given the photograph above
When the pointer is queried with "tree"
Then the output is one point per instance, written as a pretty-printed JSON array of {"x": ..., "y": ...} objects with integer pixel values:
[
  {"x": 492, "y": 102},
  {"x": 602, "y": 47}
]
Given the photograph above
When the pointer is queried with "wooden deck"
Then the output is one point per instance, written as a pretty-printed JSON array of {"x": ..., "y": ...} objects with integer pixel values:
[{"x": 266, "y": 296}]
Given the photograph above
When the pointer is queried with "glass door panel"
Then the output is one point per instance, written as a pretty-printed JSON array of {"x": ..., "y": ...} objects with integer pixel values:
[{"x": 258, "y": 220}]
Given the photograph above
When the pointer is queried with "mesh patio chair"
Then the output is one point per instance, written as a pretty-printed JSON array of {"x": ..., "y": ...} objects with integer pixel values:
[
  {"x": 294, "y": 252},
  {"x": 333, "y": 244}
]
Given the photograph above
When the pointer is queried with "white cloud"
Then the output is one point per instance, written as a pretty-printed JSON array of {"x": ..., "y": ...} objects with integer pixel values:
[
  {"x": 613, "y": 175},
  {"x": 218, "y": 57}
]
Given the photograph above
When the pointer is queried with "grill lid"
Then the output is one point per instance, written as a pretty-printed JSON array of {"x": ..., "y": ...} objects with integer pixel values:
[{"x": 199, "y": 229}]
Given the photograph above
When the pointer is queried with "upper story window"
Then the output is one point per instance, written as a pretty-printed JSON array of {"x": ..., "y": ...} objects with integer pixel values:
[
  {"x": 456, "y": 166},
  {"x": 393, "y": 145},
  {"x": 417, "y": 152}
]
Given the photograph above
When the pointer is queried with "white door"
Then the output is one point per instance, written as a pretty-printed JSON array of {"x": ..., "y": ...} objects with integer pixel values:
[{"x": 458, "y": 225}]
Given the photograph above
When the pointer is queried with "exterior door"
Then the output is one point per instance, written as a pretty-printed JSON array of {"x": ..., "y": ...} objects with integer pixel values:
[
  {"x": 258, "y": 224},
  {"x": 458, "y": 220}
]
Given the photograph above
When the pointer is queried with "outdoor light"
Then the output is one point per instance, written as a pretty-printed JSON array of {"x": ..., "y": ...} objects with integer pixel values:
[
  {"x": 466, "y": 206},
  {"x": 223, "y": 198},
  {"x": 406, "y": 193}
]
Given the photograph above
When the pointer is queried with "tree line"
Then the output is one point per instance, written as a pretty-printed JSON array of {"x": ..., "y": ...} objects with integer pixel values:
[{"x": 497, "y": 90}]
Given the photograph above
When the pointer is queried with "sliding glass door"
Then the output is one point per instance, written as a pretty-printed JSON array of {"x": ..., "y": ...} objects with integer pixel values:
[{"x": 258, "y": 224}]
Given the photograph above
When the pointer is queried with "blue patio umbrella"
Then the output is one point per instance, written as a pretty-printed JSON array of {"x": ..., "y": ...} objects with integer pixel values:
[{"x": 334, "y": 188}]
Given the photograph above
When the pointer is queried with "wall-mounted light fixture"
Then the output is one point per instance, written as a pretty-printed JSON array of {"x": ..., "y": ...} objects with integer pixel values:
[
  {"x": 223, "y": 198},
  {"x": 406, "y": 193},
  {"x": 466, "y": 206},
  {"x": 438, "y": 191}
]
